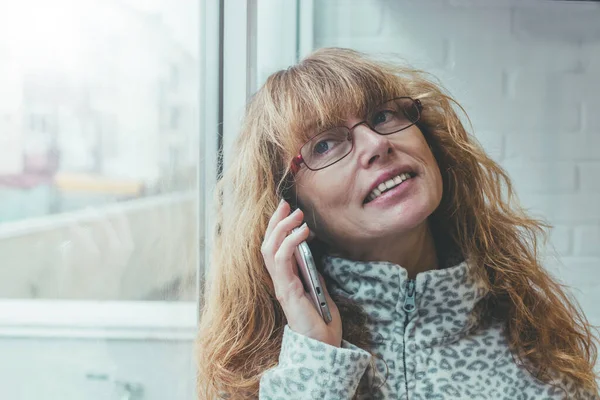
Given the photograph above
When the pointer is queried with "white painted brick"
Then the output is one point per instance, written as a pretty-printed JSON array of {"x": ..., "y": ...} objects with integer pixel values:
[
  {"x": 589, "y": 299},
  {"x": 590, "y": 53},
  {"x": 561, "y": 239},
  {"x": 532, "y": 113},
  {"x": 539, "y": 96},
  {"x": 492, "y": 52},
  {"x": 553, "y": 146},
  {"x": 589, "y": 176},
  {"x": 468, "y": 23},
  {"x": 346, "y": 18},
  {"x": 478, "y": 81},
  {"x": 591, "y": 116},
  {"x": 481, "y": 3},
  {"x": 533, "y": 104},
  {"x": 492, "y": 142},
  {"x": 587, "y": 241},
  {"x": 579, "y": 86},
  {"x": 541, "y": 177},
  {"x": 578, "y": 272},
  {"x": 428, "y": 53},
  {"x": 422, "y": 18},
  {"x": 583, "y": 88},
  {"x": 564, "y": 208},
  {"x": 561, "y": 21},
  {"x": 492, "y": 4},
  {"x": 500, "y": 52},
  {"x": 548, "y": 57},
  {"x": 580, "y": 275}
]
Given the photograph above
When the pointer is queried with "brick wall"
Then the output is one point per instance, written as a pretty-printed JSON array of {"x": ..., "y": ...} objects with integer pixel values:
[{"x": 528, "y": 74}]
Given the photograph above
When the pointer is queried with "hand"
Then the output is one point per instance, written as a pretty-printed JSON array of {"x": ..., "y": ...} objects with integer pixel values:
[{"x": 278, "y": 252}]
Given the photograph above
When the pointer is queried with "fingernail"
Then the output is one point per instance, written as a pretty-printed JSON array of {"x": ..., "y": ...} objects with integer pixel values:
[{"x": 281, "y": 202}]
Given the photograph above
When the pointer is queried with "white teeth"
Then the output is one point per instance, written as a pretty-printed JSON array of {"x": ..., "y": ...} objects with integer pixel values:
[{"x": 390, "y": 183}]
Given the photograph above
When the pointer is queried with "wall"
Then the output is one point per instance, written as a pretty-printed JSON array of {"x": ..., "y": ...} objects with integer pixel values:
[{"x": 527, "y": 73}]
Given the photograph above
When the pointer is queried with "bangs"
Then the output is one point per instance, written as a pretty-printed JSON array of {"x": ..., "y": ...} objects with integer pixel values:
[{"x": 325, "y": 89}]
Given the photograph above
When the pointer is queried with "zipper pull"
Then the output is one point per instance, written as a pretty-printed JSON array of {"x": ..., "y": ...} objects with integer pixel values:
[{"x": 409, "y": 300}]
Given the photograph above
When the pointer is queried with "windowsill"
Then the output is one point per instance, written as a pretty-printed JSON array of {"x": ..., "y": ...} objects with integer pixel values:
[{"x": 125, "y": 320}]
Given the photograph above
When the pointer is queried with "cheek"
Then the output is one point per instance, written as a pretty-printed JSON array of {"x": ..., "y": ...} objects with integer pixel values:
[
  {"x": 436, "y": 182},
  {"x": 435, "y": 176},
  {"x": 330, "y": 194},
  {"x": 326, "y": 195},
  {"x": 314, "y": 193}
]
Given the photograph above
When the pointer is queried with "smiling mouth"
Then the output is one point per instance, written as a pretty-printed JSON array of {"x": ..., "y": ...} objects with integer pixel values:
[{"x": 388, "y": 185}]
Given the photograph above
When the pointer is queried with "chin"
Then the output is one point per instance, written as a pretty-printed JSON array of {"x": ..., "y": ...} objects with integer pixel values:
[{"x": 407, "y": 217}]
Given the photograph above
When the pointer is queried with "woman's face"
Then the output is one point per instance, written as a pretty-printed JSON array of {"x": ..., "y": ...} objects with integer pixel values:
[{"x": 339, "y": 202}]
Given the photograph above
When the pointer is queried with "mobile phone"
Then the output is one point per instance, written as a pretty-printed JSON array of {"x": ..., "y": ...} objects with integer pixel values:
[{"x": 310, "y": 279}]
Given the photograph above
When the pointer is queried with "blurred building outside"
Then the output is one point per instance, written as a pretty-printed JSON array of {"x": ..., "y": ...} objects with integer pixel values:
[{"x": 107, "y": 113}]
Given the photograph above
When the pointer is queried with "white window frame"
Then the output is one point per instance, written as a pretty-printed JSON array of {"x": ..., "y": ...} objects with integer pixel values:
[
  {"x": 156, "y": 320},
  {"x": 244, "y": 48}
]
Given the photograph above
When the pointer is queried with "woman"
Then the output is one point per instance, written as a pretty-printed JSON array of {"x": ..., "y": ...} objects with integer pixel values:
[{"x": 433, "y": 279}]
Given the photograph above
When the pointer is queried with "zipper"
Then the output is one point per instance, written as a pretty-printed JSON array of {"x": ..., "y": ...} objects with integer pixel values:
[
  {"x": 409, "y": 299},
  {"x": 408, "y": 307}
]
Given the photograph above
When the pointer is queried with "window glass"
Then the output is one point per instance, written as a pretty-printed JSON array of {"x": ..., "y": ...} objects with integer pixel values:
[{"x": 99, "y": 150}]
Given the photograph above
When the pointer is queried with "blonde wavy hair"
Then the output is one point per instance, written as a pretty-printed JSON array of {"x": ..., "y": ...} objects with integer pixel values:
[{"x": 241, "y": 324}]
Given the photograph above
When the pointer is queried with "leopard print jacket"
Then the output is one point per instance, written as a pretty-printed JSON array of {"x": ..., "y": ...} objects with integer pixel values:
[{"x": 427, "y": 344}]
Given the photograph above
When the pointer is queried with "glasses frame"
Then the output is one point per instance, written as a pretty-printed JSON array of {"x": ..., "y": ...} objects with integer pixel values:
[{"x": 299, "y": 160}]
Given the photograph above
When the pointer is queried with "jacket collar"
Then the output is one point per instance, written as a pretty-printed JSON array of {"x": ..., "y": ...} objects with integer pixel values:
[{"x": 444, "y": 298}]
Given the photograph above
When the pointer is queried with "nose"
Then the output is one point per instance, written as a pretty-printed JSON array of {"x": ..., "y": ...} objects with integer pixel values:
[{"x": 370, "y": 146}]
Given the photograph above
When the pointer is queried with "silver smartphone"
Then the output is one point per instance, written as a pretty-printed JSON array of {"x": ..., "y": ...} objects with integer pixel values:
[{"x": 310, "y": 279}]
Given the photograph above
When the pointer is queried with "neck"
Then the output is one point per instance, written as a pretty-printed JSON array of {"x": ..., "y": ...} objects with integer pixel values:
[{"x": 415, "y": 251}]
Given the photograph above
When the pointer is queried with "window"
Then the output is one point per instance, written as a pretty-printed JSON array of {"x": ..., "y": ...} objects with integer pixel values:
[{"x": 101, "y": 245}]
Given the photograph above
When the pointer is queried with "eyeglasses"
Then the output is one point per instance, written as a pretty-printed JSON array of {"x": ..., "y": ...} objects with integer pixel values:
[{"x": 330, "y": 146}]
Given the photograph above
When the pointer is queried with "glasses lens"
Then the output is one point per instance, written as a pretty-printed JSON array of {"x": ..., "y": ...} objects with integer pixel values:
[
  {"x": 394, "y": 115},
  {"x": 327, "y": 148}
]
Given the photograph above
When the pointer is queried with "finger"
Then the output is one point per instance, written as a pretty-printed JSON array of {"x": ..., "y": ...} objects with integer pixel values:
[
  {"x": 284, "y": 262},
  {"x": 282, "y": 210},
  {"x": 284, "y": 227},
  {"x": 311, "y": 236},
  {"x": 272, "y": 243}
]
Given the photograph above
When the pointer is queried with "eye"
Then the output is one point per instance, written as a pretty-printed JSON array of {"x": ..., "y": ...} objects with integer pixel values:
[
  {"x": 328, "y": 141},
  {"x": 382, "y": 117},
  {"x": 323, "y": 147}
]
